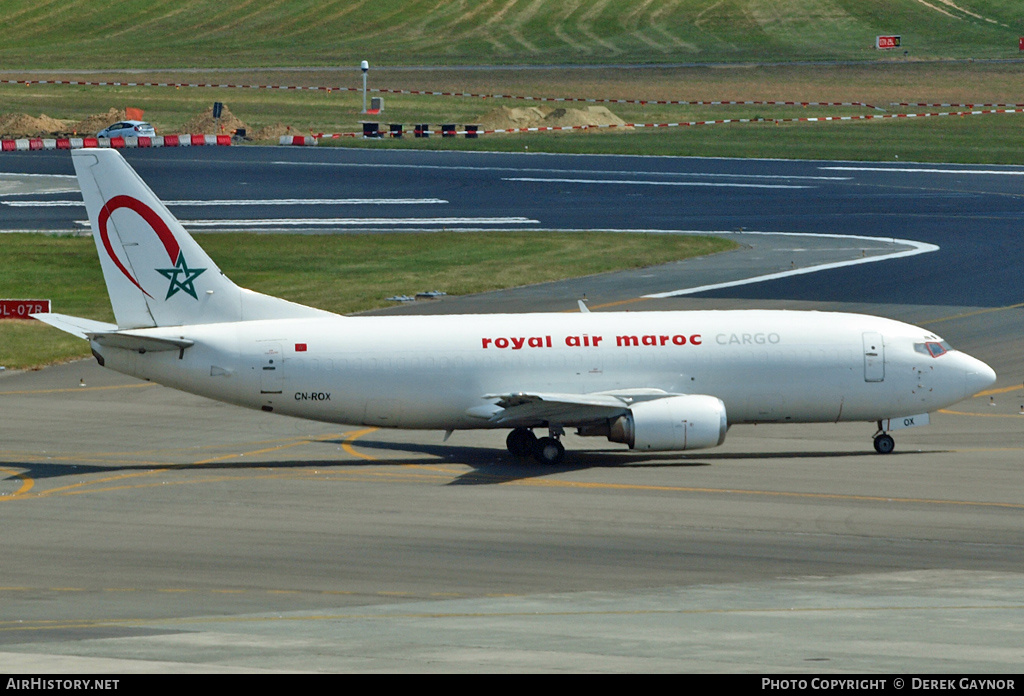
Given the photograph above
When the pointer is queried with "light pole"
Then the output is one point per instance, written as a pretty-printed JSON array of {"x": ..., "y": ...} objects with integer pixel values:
[{"x": 366, "y": 68}]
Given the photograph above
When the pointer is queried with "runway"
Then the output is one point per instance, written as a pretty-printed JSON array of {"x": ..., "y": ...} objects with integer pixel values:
[
  {"x": 148, "y": 530},
  {"x": 973, "y": 214}
]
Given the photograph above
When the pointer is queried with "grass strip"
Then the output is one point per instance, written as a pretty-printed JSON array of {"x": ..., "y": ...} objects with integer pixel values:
[
  {"x": 992, "y": 138},
  {"x": 340, "y": 273},
  {"x": 207, "y": 33}
]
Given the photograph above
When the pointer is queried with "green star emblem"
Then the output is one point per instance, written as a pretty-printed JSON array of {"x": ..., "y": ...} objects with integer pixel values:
[{"x": 182, "y": 277}]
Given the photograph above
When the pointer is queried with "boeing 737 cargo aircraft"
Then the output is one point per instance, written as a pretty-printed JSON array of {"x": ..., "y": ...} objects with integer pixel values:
[{"x": 652, "y": 380}]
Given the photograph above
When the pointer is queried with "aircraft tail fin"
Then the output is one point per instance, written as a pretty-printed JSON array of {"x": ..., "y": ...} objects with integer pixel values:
[{"x": 156, "y": 273}]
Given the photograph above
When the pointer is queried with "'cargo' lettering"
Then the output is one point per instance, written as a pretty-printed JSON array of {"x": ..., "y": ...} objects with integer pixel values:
[{"x": 746, "y": 339}]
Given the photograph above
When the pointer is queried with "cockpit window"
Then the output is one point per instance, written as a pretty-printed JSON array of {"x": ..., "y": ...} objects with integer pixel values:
[{"x": 932, "y": 348}]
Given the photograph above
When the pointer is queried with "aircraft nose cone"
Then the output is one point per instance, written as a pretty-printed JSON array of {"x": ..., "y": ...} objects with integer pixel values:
[{"x": 978, "y": 376}]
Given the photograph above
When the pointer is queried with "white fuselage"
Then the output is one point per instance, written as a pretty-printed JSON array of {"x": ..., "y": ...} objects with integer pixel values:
[
  {"x": 430, "y": 372},
  {"x": 655, "y": 381}
]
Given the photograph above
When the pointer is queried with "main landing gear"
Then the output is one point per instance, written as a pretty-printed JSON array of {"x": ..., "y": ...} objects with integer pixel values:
[{"x": 521, "y": 442}]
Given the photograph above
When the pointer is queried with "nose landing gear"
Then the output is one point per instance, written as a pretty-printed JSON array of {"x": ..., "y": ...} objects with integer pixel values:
[{"x": 884, "y": 444}]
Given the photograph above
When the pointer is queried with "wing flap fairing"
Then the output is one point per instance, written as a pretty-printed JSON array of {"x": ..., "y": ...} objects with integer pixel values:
[{"x": 530, "y": 409}]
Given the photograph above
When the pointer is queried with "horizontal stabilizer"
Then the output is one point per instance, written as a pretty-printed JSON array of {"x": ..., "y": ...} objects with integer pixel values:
[
  {"x": 76, "y": 326},
  {"x": 107, "y": 334},
  {"x": 144, "y": 344}
]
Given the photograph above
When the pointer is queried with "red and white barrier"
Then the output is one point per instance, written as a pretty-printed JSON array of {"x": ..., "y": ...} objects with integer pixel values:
[
  {"x": 23, "y": 144},
  {"x": 805, "y": 119},
  {"x": 380, "y": 90},
  {"x": 301, "y": 140},
  {"x": 961, "y": 106}
]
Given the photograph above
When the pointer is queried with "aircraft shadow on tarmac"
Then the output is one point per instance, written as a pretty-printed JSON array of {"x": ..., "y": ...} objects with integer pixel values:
[
  {"x": 492, "y": 466},
  {"x": 489, "y": 465},
  {"x": 41, "y": 472}
]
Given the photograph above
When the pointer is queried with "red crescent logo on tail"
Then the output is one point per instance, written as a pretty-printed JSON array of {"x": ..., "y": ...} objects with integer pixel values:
[{"x": 152, "y": 219}]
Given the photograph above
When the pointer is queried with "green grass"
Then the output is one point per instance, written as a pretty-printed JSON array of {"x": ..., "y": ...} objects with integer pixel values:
[
  {"x": 340, "y": 273},
  {"x": 989, "y": 139},
  {"x": 743, "y": 50},
  {"x": 765, "y": 50},
  {"x": 975, "y": 139},
  {"x": 204, "y": 33},
  {"x": 62, "y": 269}
]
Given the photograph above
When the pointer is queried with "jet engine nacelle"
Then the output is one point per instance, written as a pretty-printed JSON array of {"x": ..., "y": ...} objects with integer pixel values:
[{"x": 674, "y": 423}]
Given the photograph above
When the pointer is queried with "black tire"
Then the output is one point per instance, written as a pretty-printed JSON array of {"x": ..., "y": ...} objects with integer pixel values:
[
  {"x": 549, "y": 451},
  {"x": 884, "y": 444},
  {"x": 521, "y": 442}
]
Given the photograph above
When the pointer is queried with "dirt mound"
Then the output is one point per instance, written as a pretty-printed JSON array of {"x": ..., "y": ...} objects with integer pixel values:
[
  {"x": 97, "y": 122},
  {"x": 587, "y": 116},
  {"x": 51, "y": 125},
  {"x": 205, "y": 123},
  {"x": 273, "y": 132},
  {"x": 25, "y": 126},
  {"x": 505, "y": 118}
]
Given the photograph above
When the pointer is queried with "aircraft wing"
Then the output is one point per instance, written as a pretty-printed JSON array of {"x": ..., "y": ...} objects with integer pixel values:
[{"x": 528, "y": 409}]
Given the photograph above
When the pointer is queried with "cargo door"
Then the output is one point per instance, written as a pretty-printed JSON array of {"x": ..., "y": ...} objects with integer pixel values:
[{"x": 272, "y": 369}]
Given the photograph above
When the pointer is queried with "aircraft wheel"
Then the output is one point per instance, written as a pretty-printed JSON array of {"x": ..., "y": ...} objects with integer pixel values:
[
  {"x": 521, "y": 442},
  {"x": 549, "y": 451},
  {"x": 884, "y": 444}
]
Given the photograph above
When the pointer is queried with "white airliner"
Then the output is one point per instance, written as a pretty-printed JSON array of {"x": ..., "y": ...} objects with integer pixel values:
[{"x": 666, "y": 381}]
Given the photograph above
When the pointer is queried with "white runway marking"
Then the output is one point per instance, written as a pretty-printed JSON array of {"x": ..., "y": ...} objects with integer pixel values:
[
  {"x": 578, "y": 172},
  {"x": 635, "y": 182},
  {"x": 250, "y": 202},
  {"x": 43, "y": 176},
  {"x": 264, "y": 223},
  {"x": 922, "y": 170},
  {"x": 915, "y": 249}
]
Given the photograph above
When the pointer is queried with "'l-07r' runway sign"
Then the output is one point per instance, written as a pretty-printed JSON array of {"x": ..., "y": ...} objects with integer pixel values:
[
  {"x": 887, "y": 41},
  {"x": 22, "y": 309}
]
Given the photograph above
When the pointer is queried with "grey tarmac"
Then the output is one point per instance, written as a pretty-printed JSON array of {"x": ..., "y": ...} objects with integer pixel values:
[{"x": 145, "y": 530}]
